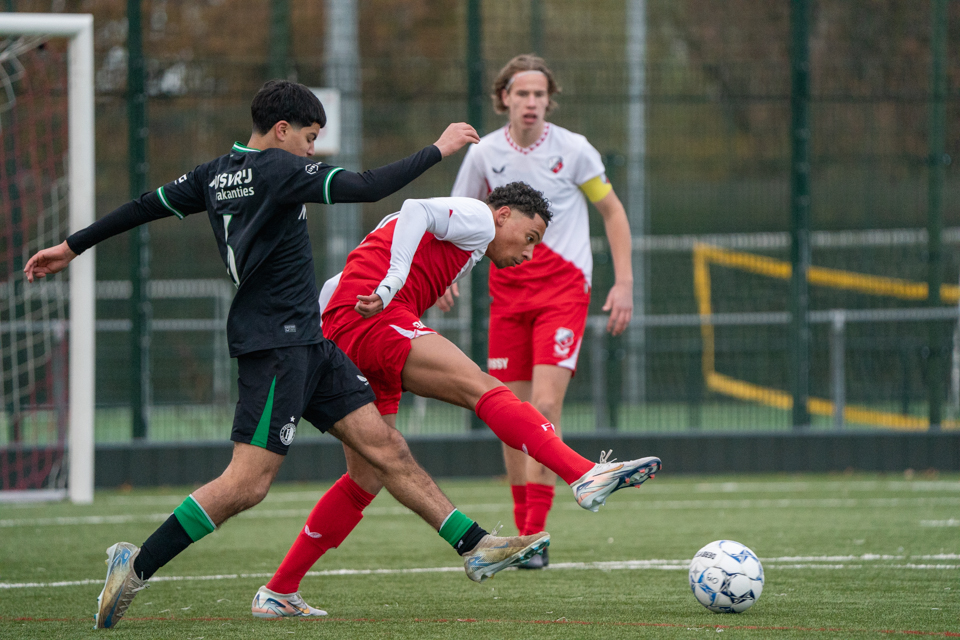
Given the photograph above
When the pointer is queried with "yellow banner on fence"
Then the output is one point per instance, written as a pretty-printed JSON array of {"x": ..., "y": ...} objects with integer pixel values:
[{"x": 704, "y": 255}]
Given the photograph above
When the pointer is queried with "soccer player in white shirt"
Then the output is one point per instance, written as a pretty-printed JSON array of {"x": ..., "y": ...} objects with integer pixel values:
[{"x": 538, "y": 311}]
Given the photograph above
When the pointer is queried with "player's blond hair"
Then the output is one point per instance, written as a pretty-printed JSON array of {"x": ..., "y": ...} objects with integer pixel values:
[{"x": 523, "y": 62}]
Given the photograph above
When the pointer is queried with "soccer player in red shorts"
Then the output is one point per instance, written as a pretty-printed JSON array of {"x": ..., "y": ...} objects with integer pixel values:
[
  {"x": 539, "y": 310},
  {"x": 372, "y": 312}
]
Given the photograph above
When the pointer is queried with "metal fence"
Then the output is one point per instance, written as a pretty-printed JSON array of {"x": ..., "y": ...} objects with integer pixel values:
[
  {"x": 712, "y": 91},
  {"x": 721, "y": 368}
]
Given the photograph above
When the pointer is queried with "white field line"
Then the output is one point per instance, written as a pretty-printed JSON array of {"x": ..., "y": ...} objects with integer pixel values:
[
  {"x": 866, "y": 561},
  {"x": 952, "y": 522},
  {"x": 655, "y": 490},
  {"x": 647, "y": 505}
]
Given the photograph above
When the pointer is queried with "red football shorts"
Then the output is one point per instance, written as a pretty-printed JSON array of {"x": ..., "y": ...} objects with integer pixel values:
[
  {"x": 379, "y": 346},
  {"x": 520, "y": 340}
]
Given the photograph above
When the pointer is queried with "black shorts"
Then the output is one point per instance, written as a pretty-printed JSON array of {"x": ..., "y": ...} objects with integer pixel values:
[{"x": 279, "y": 386}]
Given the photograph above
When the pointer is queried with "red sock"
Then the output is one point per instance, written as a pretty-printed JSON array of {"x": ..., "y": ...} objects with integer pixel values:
[
  {"x": 522, "y": 427},
  {"x": 539, "y": 501},
  {"x": 519, "y": 492},
  {"x": 331, "y": 521}
]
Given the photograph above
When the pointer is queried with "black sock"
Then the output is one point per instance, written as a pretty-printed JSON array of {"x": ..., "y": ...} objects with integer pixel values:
[
  {"x": 470, "y": 539},
  {"x": 161, "y": 547}
]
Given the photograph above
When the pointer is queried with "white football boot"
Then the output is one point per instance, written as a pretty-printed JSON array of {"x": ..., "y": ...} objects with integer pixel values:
[
  {"x": 493, "y": 554},
  {"x": 121, "y": 585},
  {"x": 270, "y": 604},
  {"x": 592, "y": 489}
]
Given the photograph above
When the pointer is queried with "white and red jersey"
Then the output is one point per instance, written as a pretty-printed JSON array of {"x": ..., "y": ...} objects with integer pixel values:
[
  {"x": 414, "y": 255},
  {"x": 557, "y": 164}
]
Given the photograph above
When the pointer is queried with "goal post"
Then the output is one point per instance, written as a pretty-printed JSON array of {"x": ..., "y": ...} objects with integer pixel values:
[{"x": 80, "y": 169}]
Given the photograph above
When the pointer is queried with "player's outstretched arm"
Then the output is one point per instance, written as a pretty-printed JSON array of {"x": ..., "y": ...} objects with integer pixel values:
[
  {"x": 144, "y": 209},
  {"x": 48, "y": 261},
  {"x": 456, "y": 136},
  {"x": 376, "y": 184},
  {"x": 619, "y": 302}
]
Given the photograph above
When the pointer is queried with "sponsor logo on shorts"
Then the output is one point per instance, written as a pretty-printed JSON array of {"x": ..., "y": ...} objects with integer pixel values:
[
  {"x": 419, "y": 329},
  {"x": 289, "y": 328},
  {"x": 288, "y": 432},
  {"x": 563, "y": 341},
  {"x": 363, "y": 380},
  {"x": 497, "y": 364}
]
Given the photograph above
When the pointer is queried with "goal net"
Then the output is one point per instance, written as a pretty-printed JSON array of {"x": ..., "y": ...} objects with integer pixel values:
[{"x": 46, "y": 191}]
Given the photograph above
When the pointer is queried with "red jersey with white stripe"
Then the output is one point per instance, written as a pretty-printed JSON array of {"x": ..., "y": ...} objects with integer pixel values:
[
  {"x": 557, "y": 164},
  {"x": 414, "y": 255}
]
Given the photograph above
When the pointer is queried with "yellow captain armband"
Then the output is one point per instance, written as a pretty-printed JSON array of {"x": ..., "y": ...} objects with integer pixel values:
[{"x": 596, "y": 189}]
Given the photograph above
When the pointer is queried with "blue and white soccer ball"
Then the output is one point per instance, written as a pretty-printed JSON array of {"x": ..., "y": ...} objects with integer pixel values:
[{"x": 726, "y": 577}]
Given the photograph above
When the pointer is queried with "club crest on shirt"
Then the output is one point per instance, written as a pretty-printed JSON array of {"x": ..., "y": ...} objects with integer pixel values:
[
  {"x": 556, "y": 164},
  {"x": 563, "y": 341}
]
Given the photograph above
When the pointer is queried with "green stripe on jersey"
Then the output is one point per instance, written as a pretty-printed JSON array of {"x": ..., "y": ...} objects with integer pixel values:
[
  {"x": 243, "y": 148},
  {"x": 193, "y": 519},
  {"x": 263, "y": 427},
  {"x": 166, "y": 203},
  {"x": 326, "y": 184}
]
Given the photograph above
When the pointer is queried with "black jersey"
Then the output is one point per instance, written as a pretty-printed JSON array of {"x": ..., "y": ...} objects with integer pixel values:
[{"x": 254, "y": 200}]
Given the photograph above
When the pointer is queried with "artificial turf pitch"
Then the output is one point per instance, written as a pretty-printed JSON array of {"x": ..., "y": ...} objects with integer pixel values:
[{"x": 845, "y": 556}]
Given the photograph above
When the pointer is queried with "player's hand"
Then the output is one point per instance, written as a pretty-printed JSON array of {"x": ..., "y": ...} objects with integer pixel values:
[
  {"x": 445, "y": 302},
  {"x": 455, "y": 137},
  {"x": 620, "y": 305},
  {"x": 48, "y": 262},
  {"x": 369, "y": 306}
]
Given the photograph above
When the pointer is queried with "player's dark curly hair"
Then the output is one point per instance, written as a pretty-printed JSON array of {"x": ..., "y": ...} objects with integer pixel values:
[
  {"x": 282, "y": 100},
  {"x": 523, "y": 198}
]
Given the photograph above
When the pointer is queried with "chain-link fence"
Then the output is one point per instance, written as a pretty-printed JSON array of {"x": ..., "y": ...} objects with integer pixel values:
[{"x": 716, "y": 158}]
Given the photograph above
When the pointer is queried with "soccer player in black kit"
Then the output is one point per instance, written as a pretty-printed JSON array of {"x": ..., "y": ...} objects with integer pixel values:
[{"x": 254, "y": 198}]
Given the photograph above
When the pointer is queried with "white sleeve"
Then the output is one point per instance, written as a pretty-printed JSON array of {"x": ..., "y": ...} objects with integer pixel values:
[
  {"x": 416, "y": 218},
  {"x": 469, "y": 223},
  {"x": 588, "y": 164},
  {"x": 327, "y": 291},
  {"x": 470, "y": 182}
]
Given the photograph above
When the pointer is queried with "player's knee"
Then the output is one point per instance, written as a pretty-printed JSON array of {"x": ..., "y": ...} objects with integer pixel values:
[
  {"x": 394, "y": 452},
  {"x": 258, "y": 491},
  {"x": 477, "y": 386},
  {"x": 398, "y": 447},
  {"x": 549, "y": 406},
  {"x": 248, "y": 486}
]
